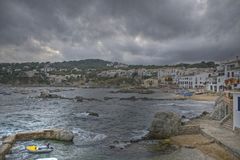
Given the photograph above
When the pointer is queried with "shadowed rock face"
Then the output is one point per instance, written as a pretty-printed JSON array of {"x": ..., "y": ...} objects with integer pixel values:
[{"x": 164, "y": 125}]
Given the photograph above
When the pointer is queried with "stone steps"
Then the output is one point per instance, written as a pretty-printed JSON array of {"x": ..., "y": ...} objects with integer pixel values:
[{"x": 228, "y": 124}]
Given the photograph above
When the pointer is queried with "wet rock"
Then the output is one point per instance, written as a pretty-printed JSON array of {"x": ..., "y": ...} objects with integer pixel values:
[
  {"x": 164, "y": 125},
  {"x": 132, "y": 98},
  {"x": 108, "y": 98},
  {"x": 203, "y": 115},
  {"x": 92, "y": 114},
  {"x": 46, "y": 94},
  {"x": 81, "y": 99},
  {"x": 133, "y": 90},
  {"x": 64, "y": 135},
  {"x": 146, "y": 92}
]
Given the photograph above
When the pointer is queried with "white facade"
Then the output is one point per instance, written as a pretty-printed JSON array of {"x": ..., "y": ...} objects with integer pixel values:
[
  {"x": 200, "y": 80},
  {"x": 215, "y": 83},
  {"x": 186, "y": 82},
  {"x": 236, "y": 110}
]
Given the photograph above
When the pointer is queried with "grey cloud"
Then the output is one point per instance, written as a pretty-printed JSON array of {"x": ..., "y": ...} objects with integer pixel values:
[{"x": 136, "y": 31}]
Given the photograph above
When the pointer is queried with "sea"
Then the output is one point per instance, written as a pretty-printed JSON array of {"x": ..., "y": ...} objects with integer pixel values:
[{"x": 119, "y": 121}]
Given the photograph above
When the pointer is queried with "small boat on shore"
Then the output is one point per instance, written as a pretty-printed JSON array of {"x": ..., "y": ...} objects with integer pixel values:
[{"x": 39, "y": 149}]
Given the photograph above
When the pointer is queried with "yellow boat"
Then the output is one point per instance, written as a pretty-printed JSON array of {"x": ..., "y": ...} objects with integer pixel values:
[{"x": 39, "y": 149}]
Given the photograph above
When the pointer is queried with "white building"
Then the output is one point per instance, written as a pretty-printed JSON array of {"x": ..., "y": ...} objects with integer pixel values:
[
  {"x": 197, "y": 81},
  {"x": 200, "y": 80},
  {"x": 186, "y": 81},
  {"x": 232, "y": 74}
]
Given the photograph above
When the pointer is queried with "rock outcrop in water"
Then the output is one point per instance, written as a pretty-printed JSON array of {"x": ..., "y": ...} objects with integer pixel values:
[
  {"x": 93, "y": 114},
  {"x": 133, "y": 98},
  {"x": 131, "y": 90},
  {"x": 46, "y": 94},
  {"x": 167, "y": 124},
  {"x": 81, "y": 99},
  {"x": 164, "y": 125}
]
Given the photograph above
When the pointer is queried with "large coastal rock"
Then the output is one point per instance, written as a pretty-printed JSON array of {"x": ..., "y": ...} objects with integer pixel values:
[
  {"x": 64, "y": 135},
  {"x": 164, "y": 125}
]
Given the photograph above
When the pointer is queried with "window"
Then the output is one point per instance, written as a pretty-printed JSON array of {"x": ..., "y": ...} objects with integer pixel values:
[
  {"x": 228, "y": 75},
  {"x": 232, "y": 74},
  {"x": 238, "y": 103}
]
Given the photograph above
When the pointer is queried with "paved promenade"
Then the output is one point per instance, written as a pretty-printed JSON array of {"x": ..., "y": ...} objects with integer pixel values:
[{"x": 224, "y": 137}]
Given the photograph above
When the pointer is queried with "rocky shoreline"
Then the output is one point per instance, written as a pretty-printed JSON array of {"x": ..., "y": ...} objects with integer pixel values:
[
  {"x": 173, "y": 138},
  {"x": 167, "y": 135}
]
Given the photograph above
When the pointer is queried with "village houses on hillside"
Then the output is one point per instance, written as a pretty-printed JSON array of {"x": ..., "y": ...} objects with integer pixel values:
[{"x": 225, "y": 77}]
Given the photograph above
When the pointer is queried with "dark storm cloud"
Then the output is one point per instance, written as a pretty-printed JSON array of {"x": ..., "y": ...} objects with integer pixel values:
[{"x": 136, "y": 31}]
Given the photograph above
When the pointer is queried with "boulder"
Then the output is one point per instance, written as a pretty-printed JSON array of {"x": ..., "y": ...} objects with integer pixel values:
[
  {"x": 92, "y": 114},
  {"x": 164, "y": 125},
  {"x": 46, "y": 94},
  {"x": 79, "y": 98},
  {"x": 63, "y": 135}
]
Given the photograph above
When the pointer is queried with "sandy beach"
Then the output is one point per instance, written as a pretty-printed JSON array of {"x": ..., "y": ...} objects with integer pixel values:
[
  {"x": 204, "y": 97},
  {"x": 201, "y": 97}
]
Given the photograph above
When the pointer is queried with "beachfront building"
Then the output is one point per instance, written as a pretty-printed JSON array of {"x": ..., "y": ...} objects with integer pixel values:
[
  {"x": 200, "y": 80},
  {"x": 186, "y": 81},
  {"x": 197, "y": 81},
  {"x": 215, "y": 83},
  {"x": 232, "y": 74}
]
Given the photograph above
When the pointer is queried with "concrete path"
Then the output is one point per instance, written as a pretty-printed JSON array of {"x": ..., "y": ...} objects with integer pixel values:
[{"x": 224, "y": 137}]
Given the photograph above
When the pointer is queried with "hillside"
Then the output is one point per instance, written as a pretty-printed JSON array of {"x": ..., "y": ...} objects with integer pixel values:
[{"x": 82, "y": 64}]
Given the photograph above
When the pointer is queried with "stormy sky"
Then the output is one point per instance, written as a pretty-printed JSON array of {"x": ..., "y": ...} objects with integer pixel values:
[{"x": 129, "y": 31}]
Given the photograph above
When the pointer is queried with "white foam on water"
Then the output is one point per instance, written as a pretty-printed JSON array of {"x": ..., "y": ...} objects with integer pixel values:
[
  {"x": 82, "y": 114},
  {"x": 139, "y": 134}
]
